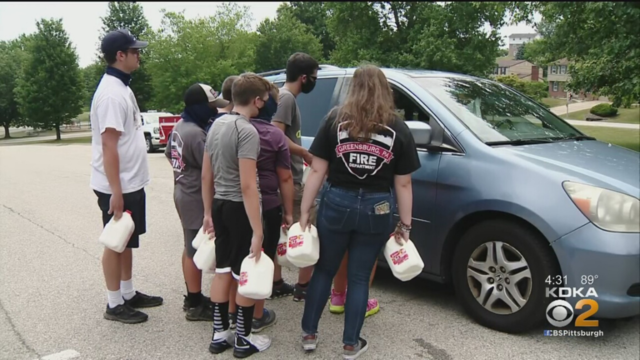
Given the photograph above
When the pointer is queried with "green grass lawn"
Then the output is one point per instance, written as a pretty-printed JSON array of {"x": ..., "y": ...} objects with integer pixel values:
[
  {"x": 627, "y": 116},
  {"x": 551, "y": 102},
  {"x": 84, "y": 117},
  {"x": 622, "y": 137}
]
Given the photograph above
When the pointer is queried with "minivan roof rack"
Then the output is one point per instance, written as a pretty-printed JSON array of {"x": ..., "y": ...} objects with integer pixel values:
[{"x": 282, "y": 71}]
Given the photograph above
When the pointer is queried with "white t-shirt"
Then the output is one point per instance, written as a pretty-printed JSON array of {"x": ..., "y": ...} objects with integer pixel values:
[{"x": 114, "y": 106}]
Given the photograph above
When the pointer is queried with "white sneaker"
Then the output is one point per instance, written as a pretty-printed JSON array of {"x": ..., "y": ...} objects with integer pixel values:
[
  {"x": 221, "y": 341},
  {"x": 247, "y": 346}
]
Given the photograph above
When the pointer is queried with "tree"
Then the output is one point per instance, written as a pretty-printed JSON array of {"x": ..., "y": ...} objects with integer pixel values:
[
  {"x": 50, "y": 90},
  {"x": 436, "y": 36},
  {"x": 280, "y": 38},
  {"x": 12, "y": 59},
  {"x": 184, "y": 51},
  {"x": 130, "y": 15},
  {"x": 314, "y": 15},
  {"x": 520, "y": 54},
  {"x": 602, "y": 41},
  {"x": 91, "y": 76}
]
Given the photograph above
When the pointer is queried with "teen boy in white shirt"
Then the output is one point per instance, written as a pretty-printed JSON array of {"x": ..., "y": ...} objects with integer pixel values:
[{"x": 120, "y": 170}]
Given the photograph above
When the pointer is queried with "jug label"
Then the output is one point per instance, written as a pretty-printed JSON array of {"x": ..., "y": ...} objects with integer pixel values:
[
  {"x": 296, "y": 241},
  {"x": 244, "y": 277},
  {"x": 399, "y": 257},
  {"x": 282, "y": 249}
]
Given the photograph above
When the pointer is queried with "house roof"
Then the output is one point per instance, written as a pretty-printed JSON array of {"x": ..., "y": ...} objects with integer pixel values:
[
  {"x": 508, "y": 62},
  {"x": 563, "y": 61},
  {"x": 523, "y": 35}
]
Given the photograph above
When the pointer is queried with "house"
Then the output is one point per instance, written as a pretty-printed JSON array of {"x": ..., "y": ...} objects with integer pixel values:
[
  {"x": 558, "y": 76},
  {"x": 521, "y": 68},
  {"x": 517, "y": 40}
]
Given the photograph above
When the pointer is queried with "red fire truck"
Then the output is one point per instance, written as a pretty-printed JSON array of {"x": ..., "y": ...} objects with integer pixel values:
[{"x": 166, "y": 127}]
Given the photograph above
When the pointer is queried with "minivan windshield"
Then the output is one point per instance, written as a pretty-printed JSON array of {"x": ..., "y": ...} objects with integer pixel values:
[{"x": 496, "y": 114}]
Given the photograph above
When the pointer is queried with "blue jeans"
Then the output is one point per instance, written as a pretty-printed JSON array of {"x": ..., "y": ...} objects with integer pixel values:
[{"x": 347, "y": 220}]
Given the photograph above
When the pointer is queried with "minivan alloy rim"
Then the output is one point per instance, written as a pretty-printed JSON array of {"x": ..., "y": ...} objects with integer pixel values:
[{"x": 499, "y": 277}]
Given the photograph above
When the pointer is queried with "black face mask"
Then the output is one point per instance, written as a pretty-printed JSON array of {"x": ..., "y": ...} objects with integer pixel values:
[
  {"x": 308, "y": 86},
  {"x": 268, "y": 110}
]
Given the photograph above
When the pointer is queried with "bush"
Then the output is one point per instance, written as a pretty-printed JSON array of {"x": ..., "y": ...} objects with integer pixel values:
[
  {"x": 604, "y": 110},
  {"x": 534, "y": 89}
]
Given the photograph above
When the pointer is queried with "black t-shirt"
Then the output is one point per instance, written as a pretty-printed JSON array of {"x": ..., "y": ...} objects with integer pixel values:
[{"x": 370, "y": 165}]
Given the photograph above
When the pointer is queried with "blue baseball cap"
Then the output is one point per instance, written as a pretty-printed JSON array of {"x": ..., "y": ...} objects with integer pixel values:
[{"x": 120, "y": 40}]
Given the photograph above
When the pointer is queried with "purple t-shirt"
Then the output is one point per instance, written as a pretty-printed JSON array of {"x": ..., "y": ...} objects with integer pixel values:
[{"x": 274, "y": 153}]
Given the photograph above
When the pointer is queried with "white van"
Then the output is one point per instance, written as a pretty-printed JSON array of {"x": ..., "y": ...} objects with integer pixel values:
[{"x": 151, "y": 128}]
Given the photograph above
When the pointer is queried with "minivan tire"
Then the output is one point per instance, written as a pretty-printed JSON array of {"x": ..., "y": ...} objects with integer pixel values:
[{"x": 536, "y": 252}]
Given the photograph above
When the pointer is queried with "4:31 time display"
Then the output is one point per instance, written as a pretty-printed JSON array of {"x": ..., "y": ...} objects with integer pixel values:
[{"x": 556, "y": 280}]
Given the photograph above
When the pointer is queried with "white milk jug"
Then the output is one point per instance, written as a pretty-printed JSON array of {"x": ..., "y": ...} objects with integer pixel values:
[
  {"x": 256, "y": 278},
  {"x": 404, "y": 260},
  {"x": 205, "y": 256},
  {"x": 303, "y": 247},
  {"x": 202, "y": 236},
  {"x": 281, "y": 251},
  {"x": 116, "y": 234}
]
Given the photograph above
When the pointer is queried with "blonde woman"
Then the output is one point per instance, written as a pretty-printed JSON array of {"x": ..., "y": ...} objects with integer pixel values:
[{"x": 365, "y": 150}]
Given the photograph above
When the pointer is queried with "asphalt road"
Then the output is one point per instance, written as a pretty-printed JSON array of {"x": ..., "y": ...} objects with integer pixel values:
[{"x": 52, "y": 293}]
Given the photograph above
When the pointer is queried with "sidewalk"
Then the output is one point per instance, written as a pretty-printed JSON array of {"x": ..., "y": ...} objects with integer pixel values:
[
  {"x": 45, "y": 138},
  {"x": 601, "y": 124}
]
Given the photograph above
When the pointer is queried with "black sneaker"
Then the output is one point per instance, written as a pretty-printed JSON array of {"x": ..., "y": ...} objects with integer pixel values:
[
  {"x": 299, "y": 293},
  {"x": 185, "y": 303},
  {"x": 268, "y": 319},
  {"x": 125, "y": 314},
  {"x": 221, "y": 342},
  {"x": 140, "y": 300},
  {"x": 232, "y": 320},
  {"x": 202, "y": 312},
  {"x": 281, "y": 291},
  {"x": 247, "y": 346}
]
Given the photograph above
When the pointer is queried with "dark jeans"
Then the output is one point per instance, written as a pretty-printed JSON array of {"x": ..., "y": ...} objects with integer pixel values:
[{"x": 347, "y": 220}]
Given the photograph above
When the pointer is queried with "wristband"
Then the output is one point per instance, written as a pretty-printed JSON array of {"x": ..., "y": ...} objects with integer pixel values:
[{"x": 404, "y": 227}]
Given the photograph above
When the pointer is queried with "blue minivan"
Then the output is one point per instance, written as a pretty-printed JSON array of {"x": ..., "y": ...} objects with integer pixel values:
[{"x": 512, "y": 205}]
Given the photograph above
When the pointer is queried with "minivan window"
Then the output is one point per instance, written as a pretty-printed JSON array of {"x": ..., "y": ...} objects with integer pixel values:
[
  {"x": 494, "y": 113},
  {"x": 315, "y": 105}
]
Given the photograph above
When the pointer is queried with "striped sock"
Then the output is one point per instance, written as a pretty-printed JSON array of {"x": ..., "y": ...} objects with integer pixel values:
[
  {"x": 220, "y": 317},
  {"x": 244, "y": 321}
]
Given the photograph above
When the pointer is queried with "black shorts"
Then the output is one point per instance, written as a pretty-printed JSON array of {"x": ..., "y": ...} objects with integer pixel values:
[
  {"x": 189, "y": 235},
  {"x": 233, "y": 235},
  {"x": 271, "y": 223},
  {"x": 134, "y": 202}
]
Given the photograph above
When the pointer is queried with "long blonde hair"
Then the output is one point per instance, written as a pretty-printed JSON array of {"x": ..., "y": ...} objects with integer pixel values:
[{"x": 369, "y": 103}]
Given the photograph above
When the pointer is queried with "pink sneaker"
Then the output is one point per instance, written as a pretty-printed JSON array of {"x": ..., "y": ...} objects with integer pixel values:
[
  {"x": 372, "y": 307},
  {"x": 336, "y": 304}
]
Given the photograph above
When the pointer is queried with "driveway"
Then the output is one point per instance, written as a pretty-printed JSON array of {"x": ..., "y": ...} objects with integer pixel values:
[
  {"x": 561, "y": 110},
  {"x": 52, "y": 293}
]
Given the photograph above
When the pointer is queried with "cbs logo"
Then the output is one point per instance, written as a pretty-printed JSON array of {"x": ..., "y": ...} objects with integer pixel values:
[{"x": 560, "y": 313}]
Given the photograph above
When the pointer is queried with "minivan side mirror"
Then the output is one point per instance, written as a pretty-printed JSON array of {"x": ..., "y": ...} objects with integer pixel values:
[{"x": 421, "y": 132}]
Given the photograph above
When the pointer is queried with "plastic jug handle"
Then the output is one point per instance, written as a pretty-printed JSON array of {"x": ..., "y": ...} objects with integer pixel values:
[{"x": 403, "y": 242}]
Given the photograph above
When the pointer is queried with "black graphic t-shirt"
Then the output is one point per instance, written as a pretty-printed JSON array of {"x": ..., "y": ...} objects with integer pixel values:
[{"x": 370, "y": 165}]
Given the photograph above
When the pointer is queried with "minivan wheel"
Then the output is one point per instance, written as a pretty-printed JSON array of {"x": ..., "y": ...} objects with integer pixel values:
[
  {"x": 499, "y": 269},
  {"x": 147, "y": 139}
]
